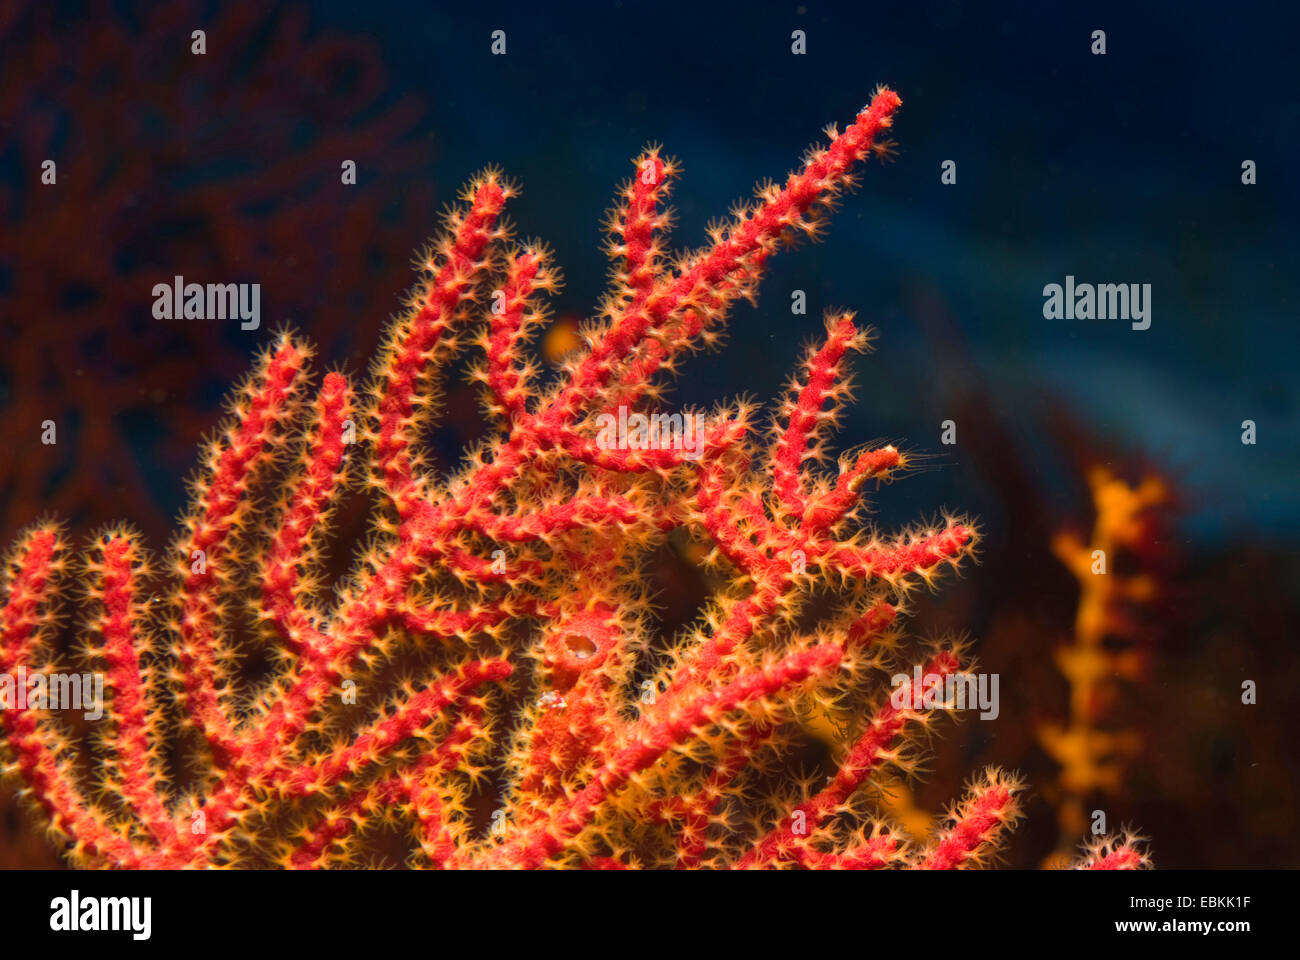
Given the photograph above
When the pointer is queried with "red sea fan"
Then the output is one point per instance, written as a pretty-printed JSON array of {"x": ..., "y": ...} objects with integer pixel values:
[{"x": 495, "y": 639}]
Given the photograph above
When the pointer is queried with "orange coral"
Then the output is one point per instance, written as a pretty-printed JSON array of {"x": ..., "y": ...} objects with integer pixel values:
[{"x": 1093, "y": 755}]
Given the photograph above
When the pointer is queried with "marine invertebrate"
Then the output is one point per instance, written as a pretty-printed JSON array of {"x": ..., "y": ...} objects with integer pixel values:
[
  {"x": 494, "y": 641},
  {"x": 199, "y": 175},
  {"x": 1094, "y": 747}
]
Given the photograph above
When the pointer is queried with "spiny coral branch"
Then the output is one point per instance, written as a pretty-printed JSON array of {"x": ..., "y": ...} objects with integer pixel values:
[
  {"x": 494, "y": 641},
  {"x": 1125, "y": 851}
]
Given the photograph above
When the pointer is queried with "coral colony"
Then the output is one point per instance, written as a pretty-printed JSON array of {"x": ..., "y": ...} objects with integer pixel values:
[{"x": 487, "y": 683}]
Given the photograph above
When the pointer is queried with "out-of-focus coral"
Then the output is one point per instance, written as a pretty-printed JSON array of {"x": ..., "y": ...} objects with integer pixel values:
[
  {"x": 1109, "y": 652},
  {"x": 221, "y": 167}
]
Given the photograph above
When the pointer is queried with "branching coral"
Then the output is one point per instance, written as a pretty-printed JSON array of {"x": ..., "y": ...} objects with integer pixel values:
[
  {"x": 495, "y": 640},
  {"x": 1095, "y": 748}
]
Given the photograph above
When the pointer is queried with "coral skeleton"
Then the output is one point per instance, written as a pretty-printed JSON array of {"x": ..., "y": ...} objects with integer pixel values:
[{"x": 487, "y": 683}]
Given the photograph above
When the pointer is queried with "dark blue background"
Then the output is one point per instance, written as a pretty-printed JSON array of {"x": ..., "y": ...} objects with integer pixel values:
[{"x": 1117, "y": 168}]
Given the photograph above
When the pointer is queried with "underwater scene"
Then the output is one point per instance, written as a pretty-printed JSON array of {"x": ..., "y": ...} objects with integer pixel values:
[{"x": 634, "y": 435}]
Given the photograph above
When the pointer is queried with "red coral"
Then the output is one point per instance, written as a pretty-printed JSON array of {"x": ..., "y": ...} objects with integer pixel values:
[{"x": 513, "y": 589}]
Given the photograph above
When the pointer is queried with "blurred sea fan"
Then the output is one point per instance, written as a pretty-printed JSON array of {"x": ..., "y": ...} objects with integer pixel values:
[{"x": 224, "y": 168}]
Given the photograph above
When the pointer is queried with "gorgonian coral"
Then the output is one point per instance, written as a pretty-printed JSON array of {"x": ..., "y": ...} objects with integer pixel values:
[{"x": 488, "y": 682}]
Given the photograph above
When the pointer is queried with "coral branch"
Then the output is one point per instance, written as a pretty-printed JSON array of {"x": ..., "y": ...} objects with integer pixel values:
[
  {"x": 975, "y": 825},
  {"x": 1126, "y": 851}
]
